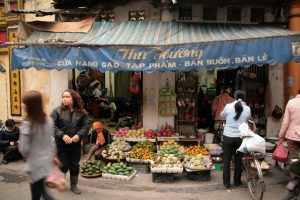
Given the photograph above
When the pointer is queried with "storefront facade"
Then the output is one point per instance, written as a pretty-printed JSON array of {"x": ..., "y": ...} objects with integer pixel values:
[{"x": 151, "y": 117}]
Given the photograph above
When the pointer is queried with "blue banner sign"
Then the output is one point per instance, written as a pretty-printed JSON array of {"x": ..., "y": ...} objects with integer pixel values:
[{"x": 229, "y": 54}]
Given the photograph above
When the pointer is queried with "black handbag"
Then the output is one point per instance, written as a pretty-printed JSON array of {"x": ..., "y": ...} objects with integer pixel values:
[{"x": 277, "y": 112}]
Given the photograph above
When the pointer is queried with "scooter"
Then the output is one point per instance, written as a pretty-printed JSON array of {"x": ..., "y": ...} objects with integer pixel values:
[{"x": 293, "y": 187}]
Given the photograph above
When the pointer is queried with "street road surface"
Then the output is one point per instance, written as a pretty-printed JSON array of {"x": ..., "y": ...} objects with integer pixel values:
[{"x": 20, "y": 191}]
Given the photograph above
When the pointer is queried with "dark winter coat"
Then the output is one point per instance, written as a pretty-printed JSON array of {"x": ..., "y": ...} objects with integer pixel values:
[
  {"x": 69, "y": 123},
  {"x": 6, "y": 137}
]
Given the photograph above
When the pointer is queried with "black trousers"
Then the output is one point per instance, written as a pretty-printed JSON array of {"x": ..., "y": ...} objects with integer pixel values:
[
  {"x": 230, "y": 145},
  {"x": 38, "y": 190},
  {"x": 11, "y": 153},
  {"x": 70, "y": 161}
]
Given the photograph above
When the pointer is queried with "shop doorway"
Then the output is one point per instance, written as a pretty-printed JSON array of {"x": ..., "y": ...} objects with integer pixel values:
[{"x": 122, "y": 81}]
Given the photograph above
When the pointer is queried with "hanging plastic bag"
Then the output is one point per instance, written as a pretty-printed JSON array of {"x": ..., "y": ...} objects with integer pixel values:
[{"x": 280, "y": 154}]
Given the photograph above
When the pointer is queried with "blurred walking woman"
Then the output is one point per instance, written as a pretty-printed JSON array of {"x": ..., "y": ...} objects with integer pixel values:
[
  {"x": 36, "y": 144},
  {"x": 71, "y": 125},
  {"x": 235, "y": 114}
]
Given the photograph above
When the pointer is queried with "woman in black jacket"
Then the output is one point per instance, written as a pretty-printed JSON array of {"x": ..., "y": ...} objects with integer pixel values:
[{"x": 71, "y": 125}]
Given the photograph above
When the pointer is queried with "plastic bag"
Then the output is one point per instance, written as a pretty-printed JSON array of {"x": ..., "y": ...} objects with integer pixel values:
[
  {"x": 56, "y": 179},
  {"x": 253, "y": 143},
  {"x": 280, "y": 154},
  {"x": 245, "y": 130}
]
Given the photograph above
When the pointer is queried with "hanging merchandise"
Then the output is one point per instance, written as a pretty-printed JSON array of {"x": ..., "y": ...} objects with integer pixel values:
[
  {"x": 277, "y": 112},
  {"x": 255, "y": 83},
  {"x": 187, "y": 104},
  {"x": 134, "y": 84},
  {"x": 237, "y": 81},
  {"x": 83, "y": 80},
  {"x": 167, "y": 102}
]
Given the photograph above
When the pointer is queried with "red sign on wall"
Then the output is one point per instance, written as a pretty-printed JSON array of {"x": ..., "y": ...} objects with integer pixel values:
[{"x": 2, "y": 36}]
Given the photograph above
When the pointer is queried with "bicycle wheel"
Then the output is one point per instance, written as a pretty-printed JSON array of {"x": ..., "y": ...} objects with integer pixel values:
[{"x": 254, "y": 177}]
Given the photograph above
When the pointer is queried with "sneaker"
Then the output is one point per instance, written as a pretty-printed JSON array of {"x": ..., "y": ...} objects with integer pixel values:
[{"x": 4, "y": 161}]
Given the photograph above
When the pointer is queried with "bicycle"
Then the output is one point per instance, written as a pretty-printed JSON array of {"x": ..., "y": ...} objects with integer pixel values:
[{"x": 254, "y": 174}]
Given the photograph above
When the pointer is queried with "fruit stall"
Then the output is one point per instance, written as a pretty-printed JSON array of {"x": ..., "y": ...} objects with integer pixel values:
[{"x": 149, "y": 151}]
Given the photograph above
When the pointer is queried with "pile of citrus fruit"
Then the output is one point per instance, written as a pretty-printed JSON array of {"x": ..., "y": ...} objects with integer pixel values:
[
  {"x": 196, "y": 150},
  {"x": 142, "y": 154}
]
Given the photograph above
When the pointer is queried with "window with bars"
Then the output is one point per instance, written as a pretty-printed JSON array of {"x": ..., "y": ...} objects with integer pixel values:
[
  {"x": 234, "y": 13},
  {"x": 137, "y": 15},
  {"x": 185, "y": 13},
  {"x": 107, "y": 16},
  {"x": 210, "y": 13},
  {"x": 12, "y": 5},
  {"x": 257, "y": 14}
]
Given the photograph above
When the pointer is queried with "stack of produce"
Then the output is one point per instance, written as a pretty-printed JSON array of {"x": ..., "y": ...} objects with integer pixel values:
[
  {"x": 118, "y": 169},
  {"x": 132, "y": 133},
  {"x": 113, "y": 154},
  {"x": 120, "y": 145},
  {"x": 150, "y": 134},
  {"x": 165, "y": 131},
  {"x": 141, "y": 154},
  {"x": 144, "y": 145},
  {"x": 198, "y": 162},
  {"x": 195, "y": 150},
  {"x": 91, "y": 168},
  {"x": 167, "y": 164},
  {"x": 121, "y": 132},
  {"x": 169, "y": 143},
  {"x": 171, "y": 147},
  {"x": 126, "y": 122}
]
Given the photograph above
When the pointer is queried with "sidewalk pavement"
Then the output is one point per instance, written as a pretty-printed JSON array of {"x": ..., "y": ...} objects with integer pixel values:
[{"x": 143, "y": 182}]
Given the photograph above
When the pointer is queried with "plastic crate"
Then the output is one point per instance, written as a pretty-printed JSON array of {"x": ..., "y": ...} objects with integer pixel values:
[
  {"x": 162, "y": 177},
  {"x": 199, "y": 175},
  {"x": 141, "y": 167}
]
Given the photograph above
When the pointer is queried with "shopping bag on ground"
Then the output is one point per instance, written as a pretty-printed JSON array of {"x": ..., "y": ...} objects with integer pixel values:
[
  {"x": 280, "y": 154},
  {"x": 253, "y": 143},
  {"x": 56, "y": 179}
]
